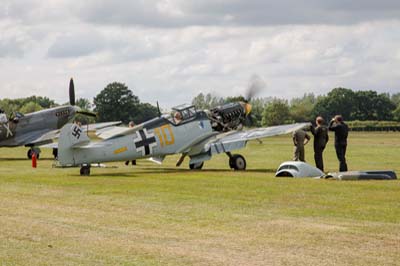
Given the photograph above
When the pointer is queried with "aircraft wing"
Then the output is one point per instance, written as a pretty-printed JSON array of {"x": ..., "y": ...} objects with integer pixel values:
[
  {"x": 46, "y": 140},
  {"x": 100, "y": 126},
  {"x": 234, "y": 140},
  {"x": 113, "y": 132},
  {"x": 37, "y": 138},
  {"x": 110, "y": 132}
]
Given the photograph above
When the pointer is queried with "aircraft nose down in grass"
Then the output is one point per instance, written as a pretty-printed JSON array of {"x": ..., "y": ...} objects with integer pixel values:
[{"x": 195, "y": 134}]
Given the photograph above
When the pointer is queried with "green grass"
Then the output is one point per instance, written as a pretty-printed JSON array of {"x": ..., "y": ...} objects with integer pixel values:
[{"x": 162, "y": 215}]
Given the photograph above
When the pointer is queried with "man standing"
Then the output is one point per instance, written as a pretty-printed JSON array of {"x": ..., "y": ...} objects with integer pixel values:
[
  {"x": 341, "y": 132},
  {"x": 320, "y": 139},
  {"x": 300, "y": 138}
]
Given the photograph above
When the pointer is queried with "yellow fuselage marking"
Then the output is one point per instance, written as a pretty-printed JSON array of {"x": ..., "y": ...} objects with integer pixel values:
[
  {"x": 168, "y": 141},
  {"x": 158, "y": 133},
  {"x": 120, "y": 150},
  {"x": 166, "y": 138}
]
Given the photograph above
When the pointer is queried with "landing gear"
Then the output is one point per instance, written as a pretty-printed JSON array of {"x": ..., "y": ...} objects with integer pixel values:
[
  {"x": 31, "y": 151},
  {"x": 29, "y": 154},
  {"x": 85, "y": 170},
  {"x": 55, "y": 153},
  {"x": 196, "y": 166},
  {"x": 236, "y": 162}
]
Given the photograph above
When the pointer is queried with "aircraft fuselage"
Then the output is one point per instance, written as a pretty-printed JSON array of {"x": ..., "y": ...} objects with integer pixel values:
[
  {"x": 155, "y": 138},
  {"x": 23, "y": 130}
]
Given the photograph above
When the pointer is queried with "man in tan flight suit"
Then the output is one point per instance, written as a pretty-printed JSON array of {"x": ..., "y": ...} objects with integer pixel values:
[{"x": 300, "y": 138}]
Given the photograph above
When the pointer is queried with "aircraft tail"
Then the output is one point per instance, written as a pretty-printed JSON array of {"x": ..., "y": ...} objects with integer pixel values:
[{"x": 71, "y": 137}]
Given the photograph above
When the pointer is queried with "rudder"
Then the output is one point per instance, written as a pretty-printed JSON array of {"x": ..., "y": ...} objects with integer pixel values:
[{"x": 71, "y": 136}]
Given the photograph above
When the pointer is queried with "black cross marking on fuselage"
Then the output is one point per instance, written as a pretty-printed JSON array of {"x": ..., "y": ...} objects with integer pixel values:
[
  {"x": 76, "y": 132},
  {"x": 145, "y": 142}
]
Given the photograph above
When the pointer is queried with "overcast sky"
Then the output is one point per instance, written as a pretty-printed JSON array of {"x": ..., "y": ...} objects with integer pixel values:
[{"x": 170, "y": 50}]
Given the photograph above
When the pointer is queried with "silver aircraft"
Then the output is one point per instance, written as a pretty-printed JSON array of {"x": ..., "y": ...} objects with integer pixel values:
[
  {"x": 38, "y": 128},
  {"x": 195, "y": 134}
]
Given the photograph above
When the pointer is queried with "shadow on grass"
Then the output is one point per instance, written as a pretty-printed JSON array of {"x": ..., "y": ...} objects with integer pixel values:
[
  {"x": 138, "y": 172},
  {"x": 212, "y": 170},
  {"x": 2, "y": 159},
  {"x": 117, "y": 174}
]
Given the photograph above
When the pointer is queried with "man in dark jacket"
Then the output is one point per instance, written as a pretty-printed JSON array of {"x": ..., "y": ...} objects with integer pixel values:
[
  {"x": 341, "y": 132},
  {"x": 320, "y": 139}
]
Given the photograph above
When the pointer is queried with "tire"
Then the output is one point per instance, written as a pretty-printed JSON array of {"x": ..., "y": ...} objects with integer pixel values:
[
  {"x": 237, "y": 162},
  {"x": 29, "y": 154},
  {"x": 196, "y": 166},
  {"x": 85, "y": 170}
]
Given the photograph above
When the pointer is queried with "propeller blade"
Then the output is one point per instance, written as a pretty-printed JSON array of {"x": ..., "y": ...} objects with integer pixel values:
[
  {"x": 88, "y": 113},
  {"x": 249, "y": 121},
  {"x": 71, "y": 92}
]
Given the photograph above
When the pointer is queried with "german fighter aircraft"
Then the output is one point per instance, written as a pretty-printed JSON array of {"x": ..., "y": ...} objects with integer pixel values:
[
  {"x": 195, "y": 134},
  {"x": 38, "y": 128}
]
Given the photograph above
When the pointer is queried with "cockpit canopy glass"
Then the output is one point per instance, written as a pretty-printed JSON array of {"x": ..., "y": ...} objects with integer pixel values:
[{"x": 182, "y": 113}]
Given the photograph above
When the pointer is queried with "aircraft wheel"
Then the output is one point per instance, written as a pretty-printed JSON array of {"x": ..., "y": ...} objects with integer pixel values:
[
  {"x": 85, "y": 170},
  {"x": 196, "y": 166},
  {"x": 30, "y": 153},
  {"x": 237, "y": 162}
]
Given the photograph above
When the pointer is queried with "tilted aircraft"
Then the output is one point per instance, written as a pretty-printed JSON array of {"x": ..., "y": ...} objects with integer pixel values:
[
  {"x": 39, "y": 128},
  {"x": 195, "y": 134}
]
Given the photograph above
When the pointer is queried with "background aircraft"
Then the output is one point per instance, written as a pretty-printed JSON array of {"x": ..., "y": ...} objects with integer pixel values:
[
  {"x": 38, "y": 128},
  {"x": 194, "y": 134}
]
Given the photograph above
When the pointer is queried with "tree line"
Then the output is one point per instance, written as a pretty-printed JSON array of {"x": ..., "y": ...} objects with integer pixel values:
[
  {"x": 117, "y": 102},
  {"x": 352, "y": 105}
]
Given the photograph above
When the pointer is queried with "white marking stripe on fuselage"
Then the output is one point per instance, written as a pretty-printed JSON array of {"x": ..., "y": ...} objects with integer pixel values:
[{"x": 9, "y": 132}]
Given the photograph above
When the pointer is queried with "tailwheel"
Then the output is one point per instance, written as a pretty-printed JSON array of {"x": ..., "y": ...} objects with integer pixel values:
[
  {"x": 237, "y": 162},
  {"x": 85, "y": 170},
  {"x": 196, "y": 166}
]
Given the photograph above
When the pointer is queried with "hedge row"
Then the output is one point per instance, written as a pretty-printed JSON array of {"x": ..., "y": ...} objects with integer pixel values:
[
  {"x": 374, "y": 125},
  {"x": 375, "y": 128}
]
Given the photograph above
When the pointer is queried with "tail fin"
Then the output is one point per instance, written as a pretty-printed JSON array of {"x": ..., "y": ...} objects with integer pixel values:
[{"x": 71, "y": 136}]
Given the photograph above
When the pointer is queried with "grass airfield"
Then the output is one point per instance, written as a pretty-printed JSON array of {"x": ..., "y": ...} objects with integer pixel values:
[{"x": 163, "y": 215}]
